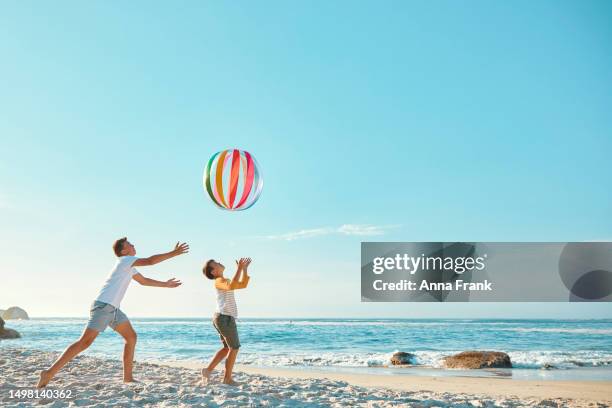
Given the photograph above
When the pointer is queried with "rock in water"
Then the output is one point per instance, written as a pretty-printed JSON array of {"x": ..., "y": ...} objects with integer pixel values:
[
  {"x": 15, "y": 313},
  {"x": 402, "y": 358},
  {"x": 548, "y": 366},
  {"x": 7, "y": 333},
  {"x": 478, "y": 359}
]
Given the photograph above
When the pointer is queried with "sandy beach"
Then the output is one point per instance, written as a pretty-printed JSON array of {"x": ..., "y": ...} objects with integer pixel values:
[
  {"x": 97, "y": 382},
  {"x": 600, "y": 391}
]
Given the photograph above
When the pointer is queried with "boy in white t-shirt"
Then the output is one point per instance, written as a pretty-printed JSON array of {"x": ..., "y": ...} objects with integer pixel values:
[{"x": 105, "y": 310}]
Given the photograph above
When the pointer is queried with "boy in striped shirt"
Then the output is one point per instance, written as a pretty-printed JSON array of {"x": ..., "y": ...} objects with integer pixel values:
[{"x": 225, "y": 315}]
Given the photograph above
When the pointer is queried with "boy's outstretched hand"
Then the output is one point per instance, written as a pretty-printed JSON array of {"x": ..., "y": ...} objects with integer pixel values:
[
  {"x": 243, "y": 263},
  {"x": 173, "y": 283},
  {"x": 180, "y": 249}
]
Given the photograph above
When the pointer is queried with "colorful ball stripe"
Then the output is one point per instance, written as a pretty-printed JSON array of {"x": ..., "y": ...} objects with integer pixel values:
[{"x": 233, "y": 180}]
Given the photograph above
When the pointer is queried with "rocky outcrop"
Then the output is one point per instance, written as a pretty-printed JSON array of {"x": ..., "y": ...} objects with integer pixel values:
[
  {"x": 478, "y": 359},
  {"x": 7, "y": 333},
  {"x": 14, "y": 313},
  {"x": 402, "y": 358}
]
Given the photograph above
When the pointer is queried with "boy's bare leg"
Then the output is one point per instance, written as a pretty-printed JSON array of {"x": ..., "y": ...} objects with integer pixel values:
[
  {"x": 229, "y": 366},
  {"x": 126, "y": 330},
  {"x": 88, "y": 336},
  {"x": 219, "y": 356}
]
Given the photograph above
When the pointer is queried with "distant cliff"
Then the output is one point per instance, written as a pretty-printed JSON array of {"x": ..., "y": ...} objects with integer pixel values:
[{"x": 14, "y": 313}]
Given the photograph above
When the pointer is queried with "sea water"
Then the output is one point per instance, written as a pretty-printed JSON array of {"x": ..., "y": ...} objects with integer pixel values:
[{"x": 570, "y": 349}]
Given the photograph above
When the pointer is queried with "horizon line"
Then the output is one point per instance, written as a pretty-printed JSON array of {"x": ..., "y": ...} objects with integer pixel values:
[{"x": 333, "y": 318}]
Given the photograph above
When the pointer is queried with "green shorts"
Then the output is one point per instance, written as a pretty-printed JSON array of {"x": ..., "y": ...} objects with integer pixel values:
[{"x": 228, "y": 332}]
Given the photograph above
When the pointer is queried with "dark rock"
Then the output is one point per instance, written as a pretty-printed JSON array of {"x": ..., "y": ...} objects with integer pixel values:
[
  {"x": 7, "y": 333},
  {"x": 402, "y": 358},
  {"x": 548, "y": 366},
  {"x": 478, "y": 359}
]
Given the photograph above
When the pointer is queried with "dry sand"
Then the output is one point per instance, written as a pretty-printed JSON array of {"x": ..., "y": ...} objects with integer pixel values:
[
  {"x": 97, "y": 382},
  {"x": 495, "y": 387}
]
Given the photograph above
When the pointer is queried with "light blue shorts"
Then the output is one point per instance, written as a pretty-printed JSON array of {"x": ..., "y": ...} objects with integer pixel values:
[{"x": 103, "y": 315}]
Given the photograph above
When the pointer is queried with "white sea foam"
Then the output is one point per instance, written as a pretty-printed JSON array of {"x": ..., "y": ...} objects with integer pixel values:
[
  {"x": 520, "y": 359},
  {"x": 560, "y": 359},
  {"x": 317, "y": 360},
  {"x": 557, "y": 330},
  {"x": 337, "y": 323}
]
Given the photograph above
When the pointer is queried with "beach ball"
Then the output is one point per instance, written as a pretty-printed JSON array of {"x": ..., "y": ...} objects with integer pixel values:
[{"x": 233, "y": 180}]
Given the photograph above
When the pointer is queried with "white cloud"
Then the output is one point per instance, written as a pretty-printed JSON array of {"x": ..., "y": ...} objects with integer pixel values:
[
  {"x": 346, "y": 229},
  {"x": 361, "y": 229},
  {"x": 305, "y": 233}
]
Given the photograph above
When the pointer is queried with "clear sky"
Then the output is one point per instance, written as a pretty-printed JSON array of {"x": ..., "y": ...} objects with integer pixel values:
[{"x": 392, "y": 121}]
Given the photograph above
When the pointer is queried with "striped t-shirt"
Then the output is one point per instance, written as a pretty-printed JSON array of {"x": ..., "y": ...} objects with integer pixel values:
[{"x": 226, "y": 302}]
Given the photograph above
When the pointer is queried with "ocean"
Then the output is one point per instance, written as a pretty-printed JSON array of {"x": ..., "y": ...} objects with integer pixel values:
[{"x": 576, "y": 349}]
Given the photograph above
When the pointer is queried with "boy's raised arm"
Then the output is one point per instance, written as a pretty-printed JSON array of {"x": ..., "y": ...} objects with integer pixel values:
[
  {"x": 244, "y": 279},
  {"x": 179, "y": 249},
  {"x": 237, "y": 281},
  {"x": 143, "y": 280}
]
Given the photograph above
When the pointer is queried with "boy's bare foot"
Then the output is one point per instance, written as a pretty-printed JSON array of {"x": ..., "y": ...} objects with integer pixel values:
[
  {"x": 45, "y": 377},
  {"x": 130, "y": 380},
  {"x": 205, "y": 376},
  {"x": 231, "y": 382}
]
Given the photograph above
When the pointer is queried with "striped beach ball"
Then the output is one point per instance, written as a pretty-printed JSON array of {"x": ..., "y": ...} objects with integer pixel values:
[{"x": 233, "y": 180}]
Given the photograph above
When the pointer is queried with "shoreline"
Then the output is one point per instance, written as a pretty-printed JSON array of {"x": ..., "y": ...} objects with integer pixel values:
[
  {"x": 598, "y": 391},
  {"x": 498, "y": 387}
]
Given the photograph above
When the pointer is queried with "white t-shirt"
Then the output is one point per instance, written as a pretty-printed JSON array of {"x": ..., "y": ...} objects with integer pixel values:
[{"x": 118, "y": 281}]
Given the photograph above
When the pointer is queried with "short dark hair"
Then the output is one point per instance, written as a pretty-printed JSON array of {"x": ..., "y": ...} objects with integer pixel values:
[
  {"x": 118, "y": 245},
  {"x": 208, "y": 268}
]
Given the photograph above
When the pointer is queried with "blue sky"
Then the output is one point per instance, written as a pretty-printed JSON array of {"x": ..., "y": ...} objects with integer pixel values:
[{"x": 394, "y": 121}]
